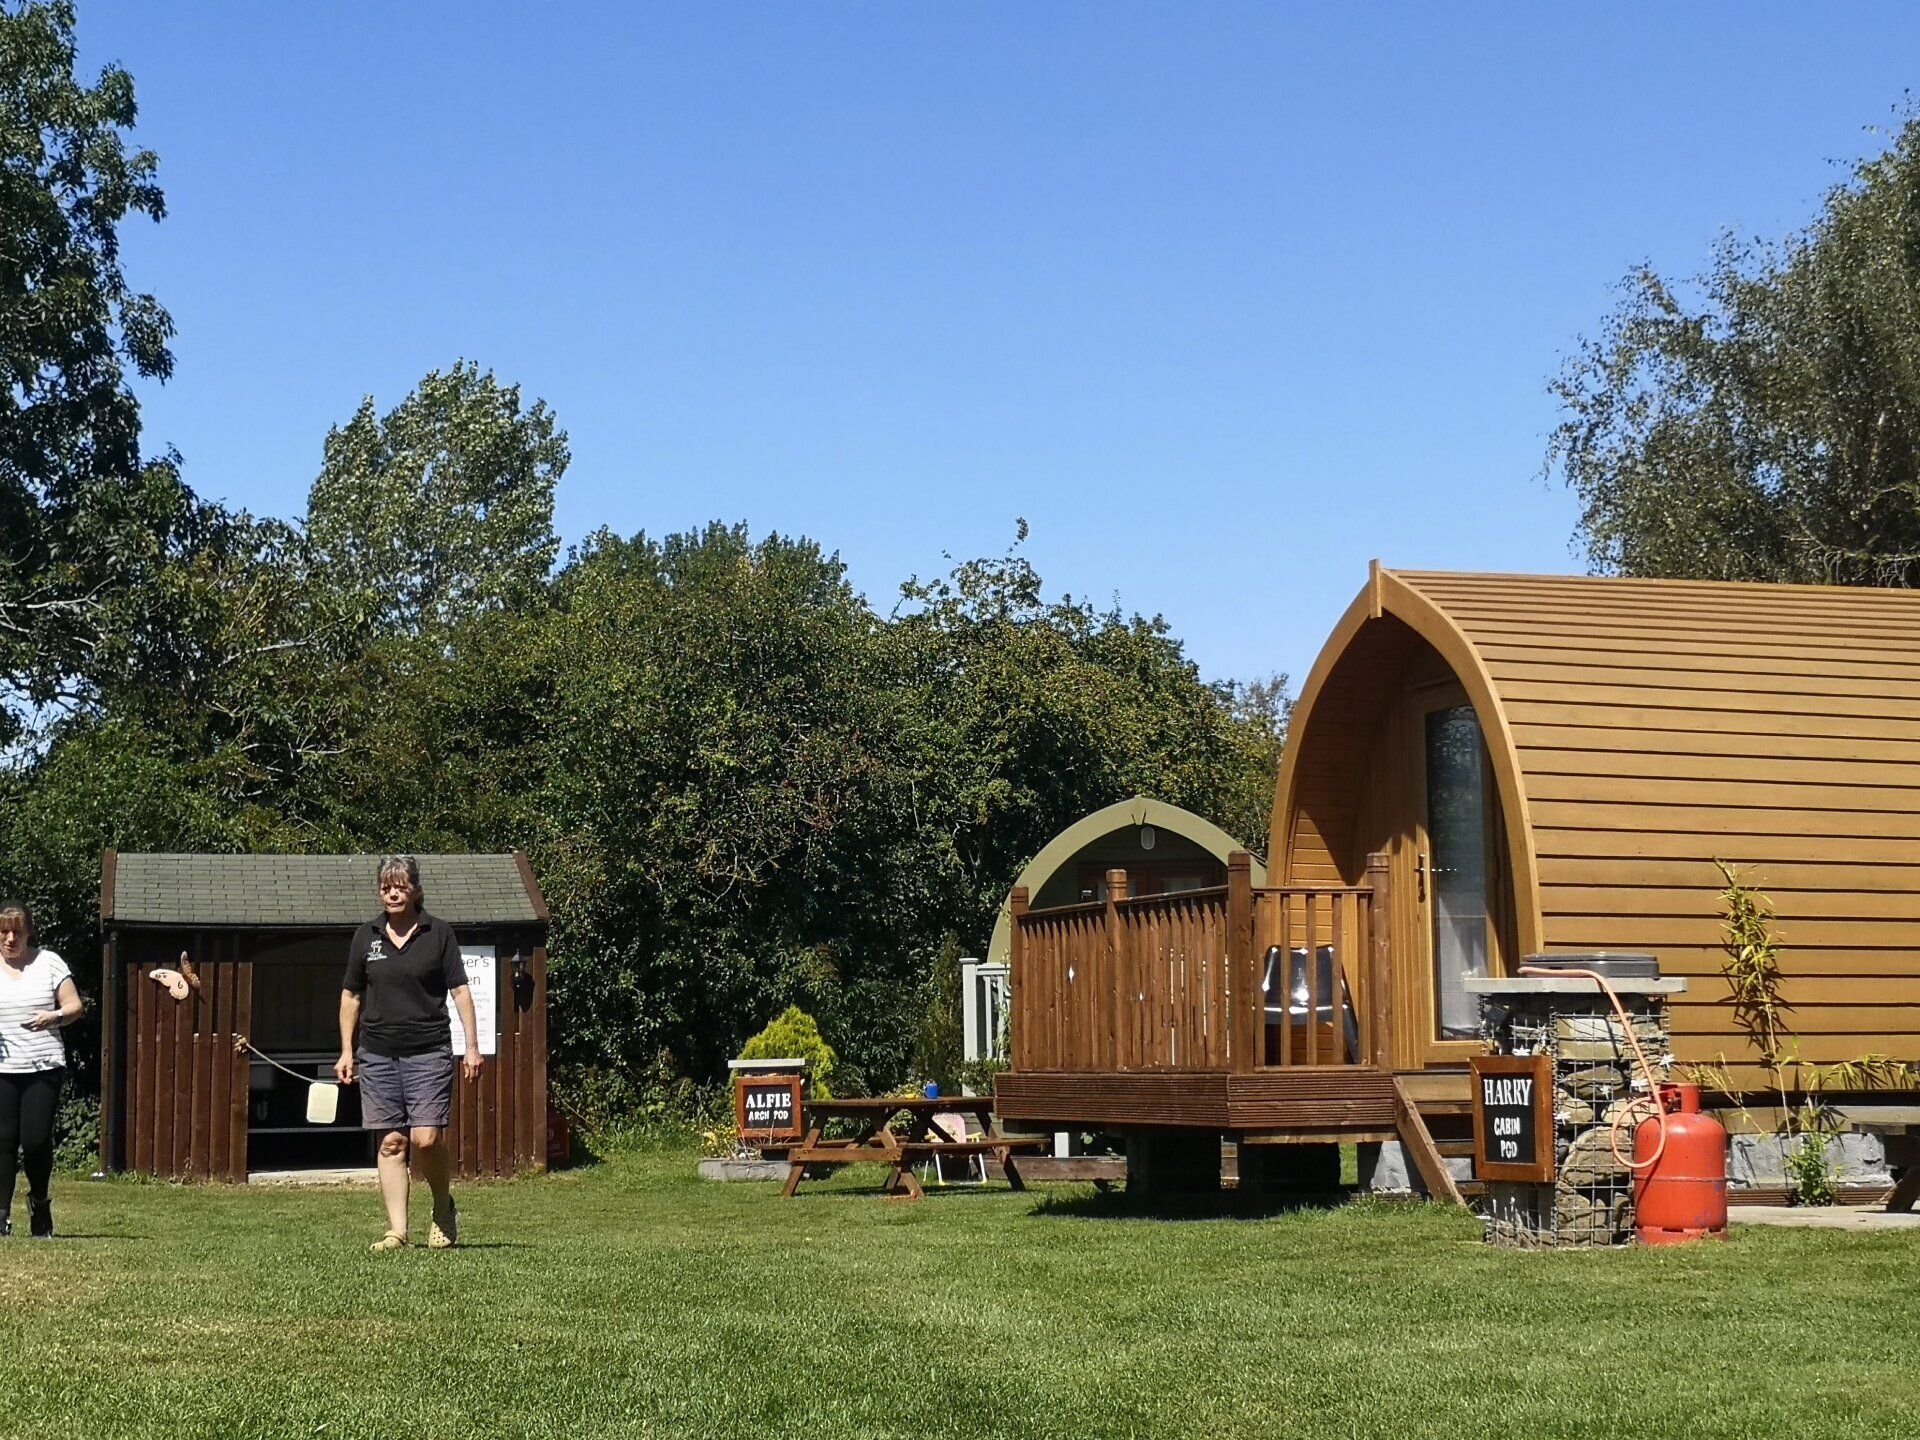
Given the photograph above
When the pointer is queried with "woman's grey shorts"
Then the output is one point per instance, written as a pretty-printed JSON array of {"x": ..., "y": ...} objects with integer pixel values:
[{"x": 402, "y": 1092}]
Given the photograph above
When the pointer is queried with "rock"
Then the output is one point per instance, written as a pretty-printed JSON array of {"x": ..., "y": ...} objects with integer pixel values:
[
  {"x": 1580, "y": 1217},
  {"x": 1619, "y": 1107},
  {"x": 1590, "y": 1160},
  {"x": 1604, "y": 1027},
  {"x": 1595, "y": 1082},
  {"x": 743, "y": 1169},
  {"x": 1569, "y": 1111},
  {"x": 1601, "y": 1050}
]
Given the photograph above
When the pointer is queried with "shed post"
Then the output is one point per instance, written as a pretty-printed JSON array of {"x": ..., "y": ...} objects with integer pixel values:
[
  {"x": 1243, "y": 987},
  {"x": 112, "y": 1024},
  {"x": 1380, "y": 961},
  {"x": 1021, "y": 982},
  {"x": 112, "y": 1056}
]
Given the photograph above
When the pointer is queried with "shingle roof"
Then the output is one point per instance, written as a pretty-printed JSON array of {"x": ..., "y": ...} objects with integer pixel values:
[{"x": 271, "y": 890}]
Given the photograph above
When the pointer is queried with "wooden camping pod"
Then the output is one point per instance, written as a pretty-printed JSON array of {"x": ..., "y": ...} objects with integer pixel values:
[
  {"x": 1636, "y": 732},
  {"x": 1482, "y": 767}
]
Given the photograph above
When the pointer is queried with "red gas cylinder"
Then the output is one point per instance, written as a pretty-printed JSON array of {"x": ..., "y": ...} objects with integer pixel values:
[{"x": 1683, "y": 1195}]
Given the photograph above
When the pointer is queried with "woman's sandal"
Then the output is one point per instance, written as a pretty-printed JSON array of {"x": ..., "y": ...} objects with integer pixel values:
[
  {"x": 439, "y": 1239},
  {"x": 392, "y": 1240}
]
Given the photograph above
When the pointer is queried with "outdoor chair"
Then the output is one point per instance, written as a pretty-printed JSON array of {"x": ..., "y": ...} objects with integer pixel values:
[
  {"x": 972, "y": 1165},
  {"x": 1286, "y": 997}
]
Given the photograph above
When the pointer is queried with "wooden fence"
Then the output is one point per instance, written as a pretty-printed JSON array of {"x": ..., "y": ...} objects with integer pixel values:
[{"x": 1227, "y": 979}]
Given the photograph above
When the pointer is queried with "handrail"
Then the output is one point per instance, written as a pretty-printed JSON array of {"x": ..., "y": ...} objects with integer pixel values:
[
  {"x": 1078, "y": 907},
  {"x": 1089, "y": 907},
  {"x": 1175, "y": 981},
  {"x": 1209, "y": 892}
]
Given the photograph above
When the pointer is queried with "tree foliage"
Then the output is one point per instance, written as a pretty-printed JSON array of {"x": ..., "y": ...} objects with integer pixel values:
[
  {"x": 724, "y": 808},
  {"x": 444, "y": 505},
  {"x": 83, "y": 521},
  {"x": 746, "y": 793},
  {"x": 1763, "y": 421}
]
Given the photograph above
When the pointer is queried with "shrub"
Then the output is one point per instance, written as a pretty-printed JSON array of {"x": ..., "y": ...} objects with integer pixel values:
[
  {"x": 76, "y": 1132},
  {"x": 795, "y": 1035},
  {"x": 613, "y": 1111},
  {"x": 940, "y": 1046},
  {"x": 1810, "y": 1171}
]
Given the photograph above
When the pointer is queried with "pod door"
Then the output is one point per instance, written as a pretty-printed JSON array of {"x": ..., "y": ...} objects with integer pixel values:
[{"x": 1459, "y": 873}]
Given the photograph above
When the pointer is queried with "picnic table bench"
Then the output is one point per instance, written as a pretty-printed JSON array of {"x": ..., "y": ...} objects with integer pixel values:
[{"x": 875, "y": 1141}]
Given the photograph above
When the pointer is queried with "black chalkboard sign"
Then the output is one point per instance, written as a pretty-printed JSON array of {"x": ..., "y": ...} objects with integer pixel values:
[
  {"x": 767, "y": 1109},
  {"x": 1513, "y": 1117}
]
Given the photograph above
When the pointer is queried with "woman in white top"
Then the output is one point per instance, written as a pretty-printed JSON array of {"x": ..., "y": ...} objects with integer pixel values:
[{"x": 37, "y": 998}]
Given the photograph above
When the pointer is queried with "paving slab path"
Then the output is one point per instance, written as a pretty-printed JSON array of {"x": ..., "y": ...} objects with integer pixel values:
[{"x": 1824, "y": 1217}]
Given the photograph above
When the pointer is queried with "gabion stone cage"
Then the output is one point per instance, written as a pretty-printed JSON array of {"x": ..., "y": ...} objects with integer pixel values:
[{"x": 1590, "y": 1199}]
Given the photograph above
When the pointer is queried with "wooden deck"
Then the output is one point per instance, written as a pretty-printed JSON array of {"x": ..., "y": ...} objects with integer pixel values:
[
  {"x": 1322, "y": 1099},
  {"x": 1261, "y": 1013}
]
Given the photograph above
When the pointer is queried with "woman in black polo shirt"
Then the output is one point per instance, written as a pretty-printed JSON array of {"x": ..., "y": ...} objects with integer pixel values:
[{"x": 401, "y": 967}]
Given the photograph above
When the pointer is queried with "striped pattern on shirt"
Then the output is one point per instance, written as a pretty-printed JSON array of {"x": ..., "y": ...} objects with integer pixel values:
[{"x": 23, "y": 995}]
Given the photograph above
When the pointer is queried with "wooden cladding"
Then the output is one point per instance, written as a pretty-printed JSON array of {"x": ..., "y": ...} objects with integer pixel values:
[
  {"x": 500, "y": 1122},
  {"x": 1182, "y": 982},
  {"x": 186, "y": 1083}
]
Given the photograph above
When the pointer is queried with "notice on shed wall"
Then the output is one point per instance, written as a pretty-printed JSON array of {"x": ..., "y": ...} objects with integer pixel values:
[{"x": 483, "y": 983}]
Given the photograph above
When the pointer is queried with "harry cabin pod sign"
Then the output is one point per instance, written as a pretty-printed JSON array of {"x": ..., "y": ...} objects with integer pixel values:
[{"x": 1513, "y": 1117}]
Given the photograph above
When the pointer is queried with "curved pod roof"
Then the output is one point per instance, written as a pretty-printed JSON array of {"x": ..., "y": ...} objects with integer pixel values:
[
  {"x": 1140, "y": 810},
  {"x": 1641, "y": 729}
]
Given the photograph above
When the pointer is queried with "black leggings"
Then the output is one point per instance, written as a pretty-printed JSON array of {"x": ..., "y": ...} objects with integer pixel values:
[{"x": 27, "y": 1103}]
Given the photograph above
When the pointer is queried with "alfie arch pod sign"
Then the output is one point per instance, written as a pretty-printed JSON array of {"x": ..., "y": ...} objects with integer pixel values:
[
  {"x": 767, "y": 1108},
  {"x": 1513, "y": 1117}
]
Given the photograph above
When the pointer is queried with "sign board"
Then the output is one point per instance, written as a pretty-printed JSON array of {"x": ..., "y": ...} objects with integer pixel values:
[
  {"x": 1513, "y": 1117},
  {"x": 483, "y": 983},
  {"x": 768, "y": 1109}
]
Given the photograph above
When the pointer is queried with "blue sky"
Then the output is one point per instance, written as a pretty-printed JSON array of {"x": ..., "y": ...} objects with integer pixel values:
[{"x": 1223, "y": 299}]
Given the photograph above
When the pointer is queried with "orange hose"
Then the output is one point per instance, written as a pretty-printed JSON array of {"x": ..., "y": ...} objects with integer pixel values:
[{"x": 1653, "y": 1081}]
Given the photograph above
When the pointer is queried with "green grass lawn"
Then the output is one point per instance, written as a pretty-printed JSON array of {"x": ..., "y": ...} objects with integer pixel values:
[{"x": 629, "y": 1298}]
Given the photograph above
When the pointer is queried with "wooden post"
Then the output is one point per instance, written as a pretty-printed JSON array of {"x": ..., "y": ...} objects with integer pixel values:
[
  {"x": 1106, "y": 1006},
  {"x": 112, "y": 1055},
  {"x": 1417, "y": 1141},
  {"x": 1380, "y": 961},
  {"x": 1243, "y": 982},
  {"x": 1018, "y": 1048}
]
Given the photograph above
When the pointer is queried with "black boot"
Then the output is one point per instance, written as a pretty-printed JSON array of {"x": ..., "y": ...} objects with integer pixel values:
[
  {"x": 40, "y": 1218},
  {"x": 6, "y": 1223}
]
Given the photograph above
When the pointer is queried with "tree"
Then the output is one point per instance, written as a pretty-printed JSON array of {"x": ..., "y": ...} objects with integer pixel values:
[
  {"x": 443, "y": 507},
  {"x": 83, "y": 522},
  {"x": 1026, "y": 713},
  {"x": 1763, "y": 422},
  {"x": 725, "y": 818}
]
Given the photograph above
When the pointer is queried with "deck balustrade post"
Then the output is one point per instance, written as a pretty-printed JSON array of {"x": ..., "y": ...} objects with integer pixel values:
[
  {"x": 1380, "y": 961},
  {"x": 1107, "y": 998},
  {"x": 1019, "y": 982},
  {"x": 1243, "y": 985}
]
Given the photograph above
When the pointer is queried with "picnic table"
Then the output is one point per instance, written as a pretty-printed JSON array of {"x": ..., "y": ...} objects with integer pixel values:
[{"x": 875, "y": 1141}]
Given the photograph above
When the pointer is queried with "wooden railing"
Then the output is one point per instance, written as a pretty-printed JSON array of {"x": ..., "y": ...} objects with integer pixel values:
[{"x": 1231, "y": 978}]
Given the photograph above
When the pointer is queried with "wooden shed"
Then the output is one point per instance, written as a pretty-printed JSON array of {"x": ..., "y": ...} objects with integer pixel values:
[
  {"x": 1482, "y": 767},
  {"x": 267, "y": 936}
]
